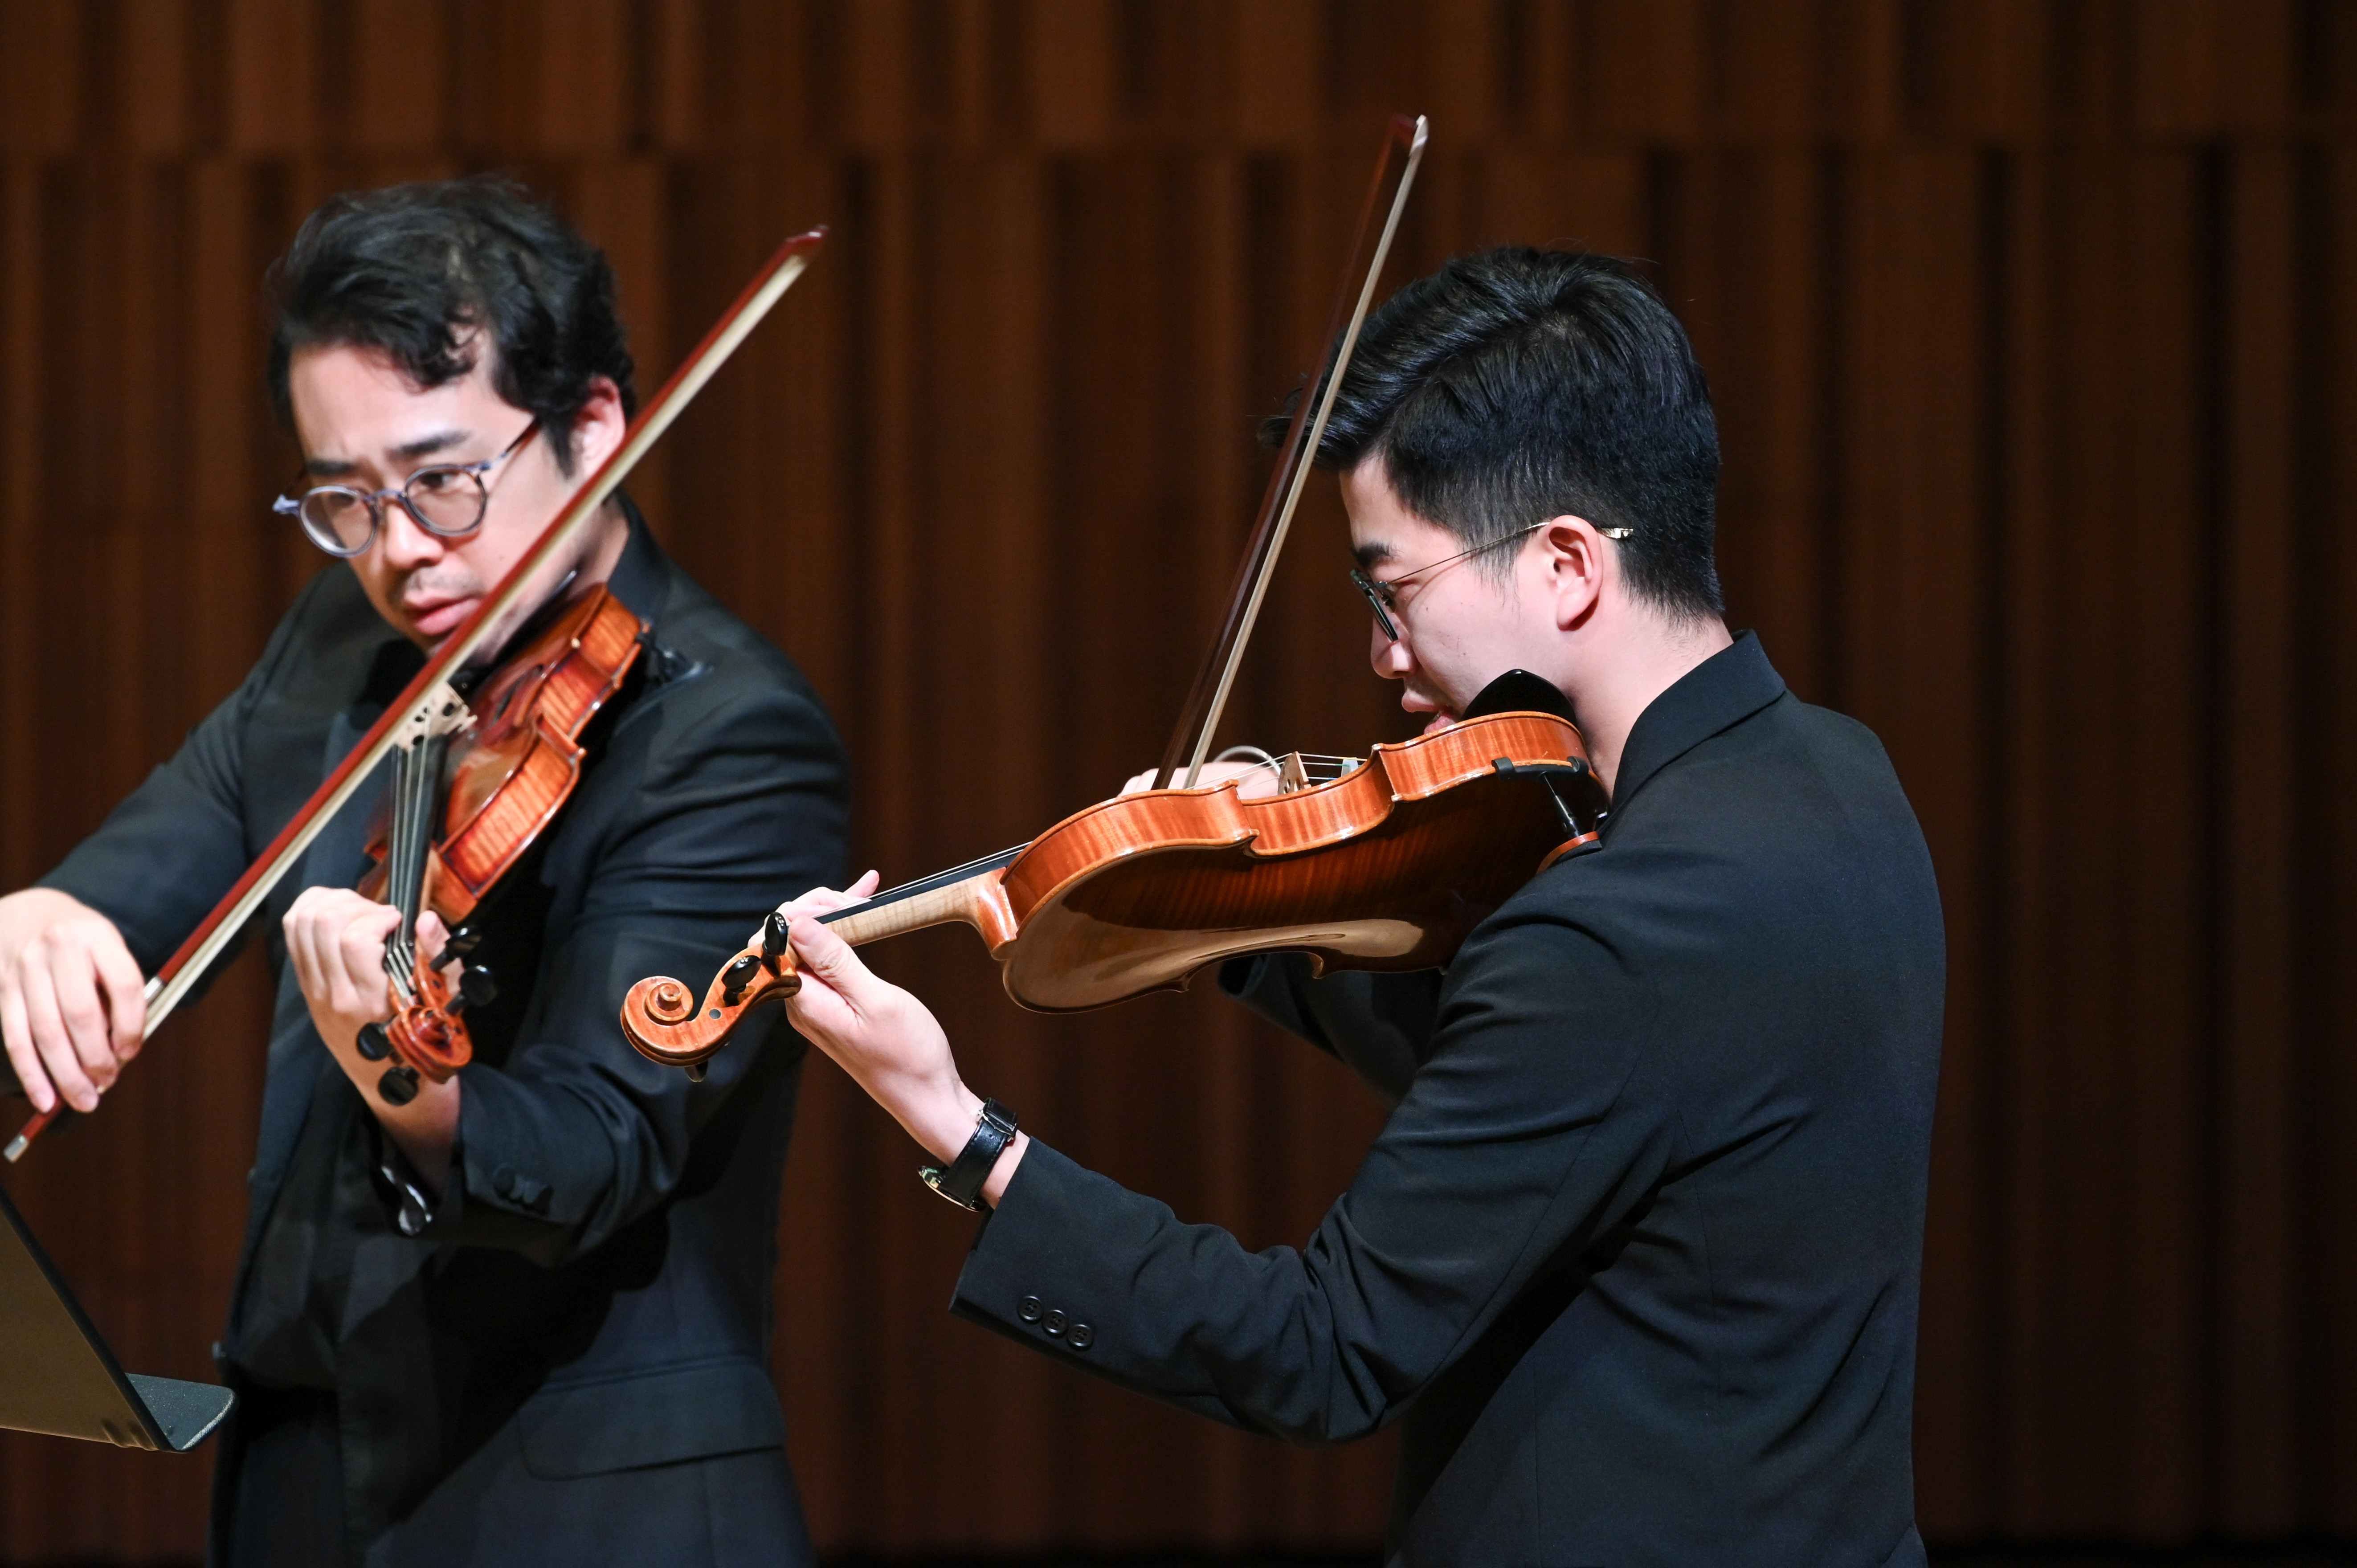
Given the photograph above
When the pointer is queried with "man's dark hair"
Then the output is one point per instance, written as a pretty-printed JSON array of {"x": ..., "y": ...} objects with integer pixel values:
[
  {"x": 430, "y": 273},
  {"x": 1515, "y": 385}
]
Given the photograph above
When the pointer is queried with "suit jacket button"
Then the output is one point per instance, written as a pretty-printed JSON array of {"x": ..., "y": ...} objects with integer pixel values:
[
  {"x": 1081, "y": 1336},
  {"x": 503, "y": 1182},
  {"x": 1028, "y": 1309},
  {"x": 1054, "y": 1323}
]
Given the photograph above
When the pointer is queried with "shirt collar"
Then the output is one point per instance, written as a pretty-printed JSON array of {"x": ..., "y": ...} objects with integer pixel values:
[{"x": 1723, "y": 689}]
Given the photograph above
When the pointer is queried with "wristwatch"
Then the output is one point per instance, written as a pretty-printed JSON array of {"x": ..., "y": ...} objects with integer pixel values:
[{"x": 962, "y": 1183}]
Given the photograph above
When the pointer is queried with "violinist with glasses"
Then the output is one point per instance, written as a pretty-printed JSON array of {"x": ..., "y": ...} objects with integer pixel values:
[
  {"x": 1635, "y": 1257},
  {"x": 517, "y": 1312}
]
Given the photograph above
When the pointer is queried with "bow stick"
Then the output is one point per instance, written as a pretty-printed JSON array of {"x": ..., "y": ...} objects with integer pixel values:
[{"x": 1403, "y": 150}]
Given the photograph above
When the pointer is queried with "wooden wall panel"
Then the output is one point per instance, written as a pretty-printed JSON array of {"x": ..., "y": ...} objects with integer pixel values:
[{"x": 2029, "y": 323}]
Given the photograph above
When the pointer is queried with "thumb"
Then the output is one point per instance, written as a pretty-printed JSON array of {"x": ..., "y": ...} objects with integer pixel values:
[
  {"x": 823, "y": 953},
  {"x": 431, "y": 936}
]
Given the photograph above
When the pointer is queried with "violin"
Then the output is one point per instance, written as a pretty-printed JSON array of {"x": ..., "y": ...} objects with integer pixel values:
[
  {"x": 1385, "y": 863},
  {"x": 475, "y": 782},
  {"x": 423, "y": 1034}
]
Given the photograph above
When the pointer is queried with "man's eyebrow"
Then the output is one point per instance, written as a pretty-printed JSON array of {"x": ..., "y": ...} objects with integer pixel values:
[
  {"x": 1372, "y": 553},
  {"x": 408, "y": 452},
  {"x": 426, "y": 446}
]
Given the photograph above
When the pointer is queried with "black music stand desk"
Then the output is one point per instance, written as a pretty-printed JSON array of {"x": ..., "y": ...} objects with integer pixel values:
[{"x": 58, "y": 1376}]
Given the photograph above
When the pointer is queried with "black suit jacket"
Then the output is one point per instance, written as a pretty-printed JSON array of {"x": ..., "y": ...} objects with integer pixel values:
[
  {"x": 570, "y": 1364},
  {"x": 1636, "y": 1255}
]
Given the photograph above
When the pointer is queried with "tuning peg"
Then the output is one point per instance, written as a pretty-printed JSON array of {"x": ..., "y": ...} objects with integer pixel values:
[
  {"x": 373, "y": 1043},
  {"x": 479, "y": 986},
  {"x": 398, "y": 1086},
  {"x": 736, "y": 977}
]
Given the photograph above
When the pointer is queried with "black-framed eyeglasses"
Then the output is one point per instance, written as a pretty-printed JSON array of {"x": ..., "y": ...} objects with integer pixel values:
[
  {"x": 1382, "y": 593},
  {"x": 448, "y": 501}
]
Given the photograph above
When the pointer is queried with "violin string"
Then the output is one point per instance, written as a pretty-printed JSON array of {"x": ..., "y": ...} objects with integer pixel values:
[
  {"x": 411, "y": 787},
  {"x": 1332, "y": 765},
  {"x": 398, "y": 868},
  {"x": 396, "y": 842}
]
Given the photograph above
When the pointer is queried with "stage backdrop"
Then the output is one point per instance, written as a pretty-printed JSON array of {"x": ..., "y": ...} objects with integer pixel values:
[{"x": 2031, "y": 327}]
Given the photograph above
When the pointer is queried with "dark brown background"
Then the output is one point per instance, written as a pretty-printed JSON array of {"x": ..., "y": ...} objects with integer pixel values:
[{"x": 2030, "y": 324}]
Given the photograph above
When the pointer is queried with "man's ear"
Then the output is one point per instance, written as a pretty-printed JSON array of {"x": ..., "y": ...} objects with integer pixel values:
[
  {"x": 1574, "y": 553},
  {"x": 600, "y": 425}
]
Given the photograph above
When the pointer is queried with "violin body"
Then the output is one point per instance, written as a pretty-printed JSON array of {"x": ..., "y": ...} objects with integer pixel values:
[
  {"x": 518, "y": 766},
  {"x": 1387, "y": 867}
]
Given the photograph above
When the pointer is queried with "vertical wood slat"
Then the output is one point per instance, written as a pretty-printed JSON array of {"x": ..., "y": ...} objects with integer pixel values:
[
  {"x": 403, "y": 96},
  {"x": 274, "y": 77},
  {"x": 2161, "y": 536},
  {"x": 2058, "y": 1383},
  {"x": 2327, "y": 1083},
  {"x": 20, "y": 479},
  {"x": 41, "y": 77},
  {"x": 1911, "y": 573},
  {"x": 1974, "y": 1275},
  {"x": 1641, "y": 68},
  {"x": 2205, "y": 66},
  {"x": 2256, "y": 1488}
]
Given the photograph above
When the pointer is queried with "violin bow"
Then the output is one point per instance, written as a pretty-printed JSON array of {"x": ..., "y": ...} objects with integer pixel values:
[
  {"x": 1395, "y": 167},
  {"x": 181, "y": 970}
]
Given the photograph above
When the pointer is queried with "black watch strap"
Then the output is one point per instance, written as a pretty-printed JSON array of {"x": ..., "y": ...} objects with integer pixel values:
[{"x": 962, "y": 1183}]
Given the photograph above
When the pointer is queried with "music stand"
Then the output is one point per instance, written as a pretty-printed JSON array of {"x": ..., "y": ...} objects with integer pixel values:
[{"x": 57, "y": 1375}]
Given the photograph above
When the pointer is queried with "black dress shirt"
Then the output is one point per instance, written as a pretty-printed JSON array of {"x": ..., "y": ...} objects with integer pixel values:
[
  {"x": 568, "y": 1362},
  {"x": 1635, "y": 1257}
]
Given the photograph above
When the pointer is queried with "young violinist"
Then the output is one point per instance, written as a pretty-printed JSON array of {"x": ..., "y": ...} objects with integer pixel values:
[
  {"x": 1635, "y": 1257},
  {"x": 521, "y": 1318}
]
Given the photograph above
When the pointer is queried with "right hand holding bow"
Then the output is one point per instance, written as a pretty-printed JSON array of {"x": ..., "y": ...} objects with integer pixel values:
[{"x": 72, "y": 1003}]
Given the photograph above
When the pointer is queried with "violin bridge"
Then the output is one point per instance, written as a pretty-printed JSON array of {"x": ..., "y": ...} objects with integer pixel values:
[
  {"x": 440, "y": 712},
  {"x": 1292, "y": 773}
]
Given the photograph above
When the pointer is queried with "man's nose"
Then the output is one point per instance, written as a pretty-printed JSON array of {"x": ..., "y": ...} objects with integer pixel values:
[
  {"x": 405, "y": 544},
  {"x": 1388, "y": 655}
]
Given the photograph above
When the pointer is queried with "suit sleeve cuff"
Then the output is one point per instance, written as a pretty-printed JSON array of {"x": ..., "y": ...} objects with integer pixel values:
[{"x": 1025, "y": 1278}]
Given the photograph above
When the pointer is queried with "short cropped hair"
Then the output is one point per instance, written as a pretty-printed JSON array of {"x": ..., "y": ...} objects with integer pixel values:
[
  {"x": 431, "y": 273},
  {"x": 1516, "y": 384}
]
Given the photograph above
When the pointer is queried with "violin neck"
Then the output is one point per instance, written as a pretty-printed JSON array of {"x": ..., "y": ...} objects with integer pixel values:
[{"x": 972, "y": 895}]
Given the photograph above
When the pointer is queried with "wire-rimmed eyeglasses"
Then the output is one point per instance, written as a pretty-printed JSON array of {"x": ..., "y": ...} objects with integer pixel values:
[
  {"x": 448, "y": 501},
  {"x": 1382, "y": 593}
]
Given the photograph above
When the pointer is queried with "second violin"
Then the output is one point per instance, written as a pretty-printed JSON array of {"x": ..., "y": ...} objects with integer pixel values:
[{"x": 1385, "y": 863}]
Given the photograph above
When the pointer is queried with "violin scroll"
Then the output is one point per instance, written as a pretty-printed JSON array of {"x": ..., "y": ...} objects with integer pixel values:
[{"x": 663, "y": 1023}]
